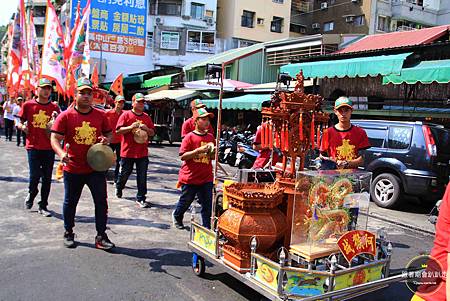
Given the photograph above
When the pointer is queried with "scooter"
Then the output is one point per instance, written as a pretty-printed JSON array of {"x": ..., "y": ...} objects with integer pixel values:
[{"x": 246, "y": 156}]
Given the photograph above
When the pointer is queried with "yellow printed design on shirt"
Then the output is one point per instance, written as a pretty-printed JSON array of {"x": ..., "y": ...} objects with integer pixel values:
[
  {"x": 346, "y": 151},
  {"x": 203, "y": 158},
  {"x": 40, "y": 120},
  {"x": 85, "y": 134}
]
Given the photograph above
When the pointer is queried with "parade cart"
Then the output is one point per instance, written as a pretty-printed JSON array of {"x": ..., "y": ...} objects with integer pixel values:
[{"x": 304, "y": 236}]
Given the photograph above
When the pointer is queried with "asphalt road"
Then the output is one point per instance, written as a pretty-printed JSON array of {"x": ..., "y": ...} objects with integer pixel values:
[{"x": 151, "y": 261}]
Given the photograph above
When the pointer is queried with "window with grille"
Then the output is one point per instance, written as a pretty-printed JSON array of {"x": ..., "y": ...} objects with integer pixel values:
[
  {"x": 247, "y": 18},
  {"x": 277, "y": 24},
  {"x": 170, "y": 40},
  {"x": 197, "y": 10},
  {"x": 328, "y": 26}
]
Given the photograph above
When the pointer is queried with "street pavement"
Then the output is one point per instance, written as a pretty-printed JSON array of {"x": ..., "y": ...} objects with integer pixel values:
[{"x": 151, "y": 261}]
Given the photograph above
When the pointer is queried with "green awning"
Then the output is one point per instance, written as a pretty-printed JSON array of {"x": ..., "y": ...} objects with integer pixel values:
[
  {"x": 158, "y": 81},
  {"x": 134, "y": 79},
  {"x": 244, "y": 102},
  {"x": 425, "y": 72},
  {"x": 361, "y": 66}
]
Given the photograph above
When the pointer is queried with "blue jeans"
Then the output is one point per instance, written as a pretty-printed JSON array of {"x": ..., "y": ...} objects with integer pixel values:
[
  {"x": 73, "y": 186},
  {"x": 126, "y": 168},
  {"x": 40, "y": 163},
  {"x": 116, "y": 149},
  {"x": 188, "y": 193}
]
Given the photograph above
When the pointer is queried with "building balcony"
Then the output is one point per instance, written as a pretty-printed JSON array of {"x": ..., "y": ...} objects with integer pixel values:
[
  {"x": 200, "y": 47},
  {"x": 402, "y": 9}
]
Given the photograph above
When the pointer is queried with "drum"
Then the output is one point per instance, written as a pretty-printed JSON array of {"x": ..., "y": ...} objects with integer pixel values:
[
  {"x": 100, "y": 157},
  {"x": 140, "y": 136}
]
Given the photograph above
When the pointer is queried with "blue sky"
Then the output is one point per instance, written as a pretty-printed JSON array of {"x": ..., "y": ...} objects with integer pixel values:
[{"x": 8, "y": 8}]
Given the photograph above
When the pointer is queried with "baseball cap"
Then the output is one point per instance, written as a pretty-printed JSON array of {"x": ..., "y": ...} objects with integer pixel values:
[
  {"x": 84, "y": 83},
  {"x": 343, "y": 101},
  {"x": 197, "y": 103},
  {"x": 138, "y": 96},
  {"x": 119, "y": 98},
  {"x": 19, "y": 98},
  {"x": 201, "y": 112},
  {"x": 45, "y": 82}
]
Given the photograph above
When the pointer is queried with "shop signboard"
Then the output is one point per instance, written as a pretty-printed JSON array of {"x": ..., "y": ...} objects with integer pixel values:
[{"x": 117, "y": 26}]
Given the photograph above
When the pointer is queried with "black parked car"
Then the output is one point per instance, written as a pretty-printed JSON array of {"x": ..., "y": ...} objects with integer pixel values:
[{"x": 409, "y": 158}]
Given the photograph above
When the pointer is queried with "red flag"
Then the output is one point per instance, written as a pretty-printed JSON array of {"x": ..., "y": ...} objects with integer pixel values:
[
  {"x": 117, "y": 85},
  {"x": 94, "y": 76}
]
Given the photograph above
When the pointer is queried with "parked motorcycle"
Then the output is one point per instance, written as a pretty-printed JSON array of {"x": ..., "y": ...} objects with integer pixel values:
[{"x": 246, "y": 156}]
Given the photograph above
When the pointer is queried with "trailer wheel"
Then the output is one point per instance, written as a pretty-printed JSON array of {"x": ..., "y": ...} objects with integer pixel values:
[{"x": 198, "y": 265}]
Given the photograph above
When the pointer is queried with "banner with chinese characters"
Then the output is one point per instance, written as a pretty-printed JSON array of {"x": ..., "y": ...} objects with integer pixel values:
[
  {"x": 356, "y": 242},
  {"x": 118, "y": 26}
]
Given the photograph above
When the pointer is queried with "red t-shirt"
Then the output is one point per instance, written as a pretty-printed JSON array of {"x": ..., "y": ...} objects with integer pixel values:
[
  {"x": 441, "y": 244},
  {"x": 264, "y": 154},
  {"x": 129, "y": 147},
  {"x": 196, "y": 171},
  {"x": 189, "y": 126},
  {"x": 80, "y": 130},
  {"x": 113, "y": 117},
  {"x": 344, "y": 145},
  {"x": 37, "y": 116}
]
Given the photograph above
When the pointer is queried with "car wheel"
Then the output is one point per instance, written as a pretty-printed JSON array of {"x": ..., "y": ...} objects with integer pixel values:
[{"x": 385, "y": 190}]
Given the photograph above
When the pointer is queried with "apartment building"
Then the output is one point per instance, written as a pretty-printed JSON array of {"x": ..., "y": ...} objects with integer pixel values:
[
  {"x": 244, "y": 23},
  {"x": 181, "y": 31},
  {"x": 367, "y": 16}
]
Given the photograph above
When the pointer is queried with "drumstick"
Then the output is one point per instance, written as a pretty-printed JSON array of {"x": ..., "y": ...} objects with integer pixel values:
[{"x": 67, "y": 151}]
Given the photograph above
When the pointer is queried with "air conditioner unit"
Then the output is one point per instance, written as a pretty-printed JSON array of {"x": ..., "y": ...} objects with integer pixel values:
[
  {"x": 316, "y": 25},
  {"x": 349, "y": 19},
  {"x": 323, "y": 5},
  {"x": 210, "y": 21},
  {"x": 159, "y": 21}
]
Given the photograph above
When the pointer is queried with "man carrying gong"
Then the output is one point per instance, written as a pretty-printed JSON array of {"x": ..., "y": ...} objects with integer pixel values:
[
  {"x": 82, "y": 126},
  {"x": 135, "y": 126}
]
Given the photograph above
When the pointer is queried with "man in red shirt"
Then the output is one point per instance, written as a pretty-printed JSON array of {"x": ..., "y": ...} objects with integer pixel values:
[
  {"x": 113, "y": 116},
  {"x": 34, "y": 118},
  {"x": 196, "y": 176},
  {"x": 80, "y": 127},
  {"x": 344, "y": 142},
  {"x": 189, "y": 125},
  {"x": 135, "y": 126},
  {"x": 440, "y": 251}
]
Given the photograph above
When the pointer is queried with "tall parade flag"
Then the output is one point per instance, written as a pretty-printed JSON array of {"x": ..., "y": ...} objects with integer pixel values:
[
  {"x": 117, "y": 85},
  {"x": 34, "y": 60},
  {"x": 14, "y": 58},
  {"x": 53, "y": 63},
  {"x": 25, "y": 70},
  {"x": 79, "y": 45}
]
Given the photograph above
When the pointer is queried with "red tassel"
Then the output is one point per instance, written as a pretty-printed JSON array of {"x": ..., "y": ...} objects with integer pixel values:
[
  {"x": 263, "y": 134},
  {"x": 312, "y": 131},
  {"x": 318, "y": 136},
  {"x": 286, "y": 142},
  {"x": 267, "y": 134},
  {"x": 270, "y": 135},
  {"x": 277, "y": 138},
  {"x": 282, "y": 138},
  {"x": 300, "y": 127}
]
